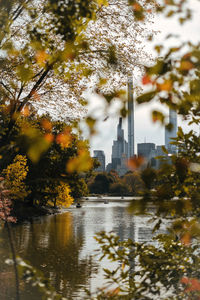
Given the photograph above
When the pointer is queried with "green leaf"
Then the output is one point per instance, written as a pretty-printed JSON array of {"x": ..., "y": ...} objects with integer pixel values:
[
  {"x": 164, "y": 150},
  {"x": 24, "y": 73},
  {"x": 159, "y": 68},
  {"x": 146, "y": 97}
]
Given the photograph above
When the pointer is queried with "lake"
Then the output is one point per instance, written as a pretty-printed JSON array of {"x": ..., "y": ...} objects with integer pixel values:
[{"x": 63, "y": 247}]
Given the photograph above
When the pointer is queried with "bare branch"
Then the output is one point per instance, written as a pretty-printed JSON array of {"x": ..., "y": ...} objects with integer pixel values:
[
  {"x": 35, "y": 87},
  {"x": 5, "y": 86}
]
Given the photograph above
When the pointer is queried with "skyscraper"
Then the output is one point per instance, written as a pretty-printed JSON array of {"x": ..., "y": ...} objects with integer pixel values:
[
  {"x": 118, "y": 145},
  {"x": 100, "y": 156},
  {"x": 130, "y": 118},
  {"x": 144, "y": 149},
  {"x": 120, "y": 137},
  {"x": 171, "y": 133},
  {"x": 119, "y": 151}
]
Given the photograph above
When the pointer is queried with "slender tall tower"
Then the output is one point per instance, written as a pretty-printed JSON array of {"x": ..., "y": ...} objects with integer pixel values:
[
  {"x": 169, "y": 134},
  {"x": 131, "y": 145},
  {"x": 120, "y": 137}
]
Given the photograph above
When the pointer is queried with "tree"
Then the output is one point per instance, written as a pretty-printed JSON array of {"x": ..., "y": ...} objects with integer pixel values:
[
  {"x": 62, "y": 165},
  {"x": 101, "y": 184},
  {"x": 134, "y": 182},
  {"x": 119, "y": 189},
  {"x": 168, "y": 270},
  {"x": 148, "y": 176},
  {"x": 38, "y": 41},
  {"x": 173, "y": 79},
  {"x": 118, "y": 41},
  {"x": 15, "y": 175},
  {"x": 51, "y": 49},
  {"x": 56, "y": 162},
  {"x": 63, "y": 198}
]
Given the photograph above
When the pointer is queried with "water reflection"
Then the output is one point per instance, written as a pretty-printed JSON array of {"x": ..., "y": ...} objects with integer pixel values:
[{"x": 62, "y": 247}]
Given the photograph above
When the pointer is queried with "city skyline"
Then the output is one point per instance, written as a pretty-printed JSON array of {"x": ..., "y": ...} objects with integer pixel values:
[
  {"x": 145, "y": 129},
  {"x": 121, "y": 149}
]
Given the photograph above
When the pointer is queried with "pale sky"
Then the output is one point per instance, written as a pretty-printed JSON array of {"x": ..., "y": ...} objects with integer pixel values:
[{"x": 145, "y": 129}]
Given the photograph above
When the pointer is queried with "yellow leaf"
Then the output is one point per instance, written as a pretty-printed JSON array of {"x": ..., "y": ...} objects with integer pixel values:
[
  {"x": 102, "y": 2},
  {"x": 80, "y": 163},
  {"x": 41, "y": 57},
  {"x": 186, "y": 65}
]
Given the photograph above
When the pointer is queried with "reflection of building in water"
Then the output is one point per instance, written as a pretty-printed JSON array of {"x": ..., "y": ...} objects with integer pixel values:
[{"x": 125, "y": 227}]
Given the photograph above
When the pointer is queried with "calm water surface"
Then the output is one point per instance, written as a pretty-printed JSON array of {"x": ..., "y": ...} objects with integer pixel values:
[{"x": 63, "y": 247}]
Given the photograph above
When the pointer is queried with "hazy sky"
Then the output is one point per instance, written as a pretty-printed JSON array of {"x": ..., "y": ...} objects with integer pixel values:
[{"x": 145, "y": 129}]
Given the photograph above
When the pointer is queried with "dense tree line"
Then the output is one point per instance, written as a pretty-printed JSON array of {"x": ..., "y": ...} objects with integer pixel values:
[
  {"x": 44, "y": 163},
  {"x": 131, "y": 184}
]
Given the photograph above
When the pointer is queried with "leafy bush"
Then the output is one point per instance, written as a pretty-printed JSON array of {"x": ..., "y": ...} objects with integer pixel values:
[{"x": 15, "y": 176}]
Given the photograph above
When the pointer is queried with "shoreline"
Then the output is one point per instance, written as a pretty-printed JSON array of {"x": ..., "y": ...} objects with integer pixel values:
[{"x": 25, "y": 213}]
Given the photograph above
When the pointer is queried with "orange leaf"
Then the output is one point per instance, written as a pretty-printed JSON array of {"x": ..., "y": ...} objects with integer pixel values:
[
  {"x": 63, "y": 139},
  {"x": 165, "y": 86},
  {"x": 25, "y": 112},
  {"x": 186, "y": 65},
  {"x": 193, "y": 284},
  {"x": 49, "y": 137},
  {"x": 146, "y": 80},
  {"x": 137, "y": 7},
  {"x": 114, "y": 292},
  {"x": 187, "y": 55},
  {"x": 41, "y": 57},
  {"x": 135, "y": 162},
  {"x": 185, "y": 280},
  {"x": 35, "y": 95},
  {"x": 186, "y": 239},
  {"x": 46, "y": 124}
]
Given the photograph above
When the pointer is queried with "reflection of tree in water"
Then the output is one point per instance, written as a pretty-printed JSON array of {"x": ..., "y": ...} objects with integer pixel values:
[
  {"x": 7, "y": 277},
  {"x": 51, "y": 246}
]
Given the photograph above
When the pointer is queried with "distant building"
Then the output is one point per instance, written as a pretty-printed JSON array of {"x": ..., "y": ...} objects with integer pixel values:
[
  {"x": 119, "y": 151},
  {"x": 122, "y": 168},
  {"x": 153, "y": 161},
  {"x": 144, "y": 149},
  {"x": 116, "y": 155},
  {"x": 131, "y": 125},
  {"x": 100, "y": 156},
  {"x": 122, "y": 151},
  {"x": 172, "y": 132},
  {"x": 109, "y": 167}
]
